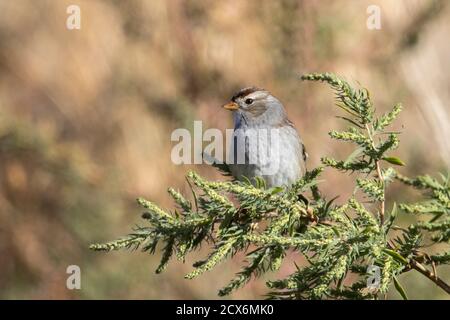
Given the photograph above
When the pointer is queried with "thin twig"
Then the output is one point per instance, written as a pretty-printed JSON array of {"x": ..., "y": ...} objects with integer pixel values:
[
  {"x": 430, "y": 275},
  {"x": 380, "y": 175},
  {"x": 382, "y": 204}
]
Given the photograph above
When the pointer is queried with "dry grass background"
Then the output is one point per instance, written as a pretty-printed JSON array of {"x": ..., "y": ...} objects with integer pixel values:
[{"x": 86, "y": 118}]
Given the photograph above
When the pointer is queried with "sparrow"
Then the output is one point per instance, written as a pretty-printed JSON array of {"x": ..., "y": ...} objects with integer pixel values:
[{"x": 265, "y": 143}]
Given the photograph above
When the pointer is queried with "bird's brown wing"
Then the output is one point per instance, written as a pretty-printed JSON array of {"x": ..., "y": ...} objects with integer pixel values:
[
  {"x": 303, "y": 160},
  {"x": 305, "y": 154}
]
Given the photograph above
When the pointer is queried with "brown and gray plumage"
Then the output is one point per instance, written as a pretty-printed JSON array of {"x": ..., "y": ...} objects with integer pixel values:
[{"x": 265, "y": 142}]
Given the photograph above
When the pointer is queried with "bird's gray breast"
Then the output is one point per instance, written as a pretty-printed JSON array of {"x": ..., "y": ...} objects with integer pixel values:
[{"x": 274, "y": 154}]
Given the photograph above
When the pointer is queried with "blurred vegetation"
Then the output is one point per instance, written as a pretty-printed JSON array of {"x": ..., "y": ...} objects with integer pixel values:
[{"x": 86, "y": 117}]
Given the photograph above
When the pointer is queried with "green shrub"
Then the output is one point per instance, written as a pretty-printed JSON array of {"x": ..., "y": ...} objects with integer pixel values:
[{"x": 336, "y": 240}]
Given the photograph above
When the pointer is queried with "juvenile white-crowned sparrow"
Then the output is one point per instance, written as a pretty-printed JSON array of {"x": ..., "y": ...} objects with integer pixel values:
[{"x": 265, "y": 143}]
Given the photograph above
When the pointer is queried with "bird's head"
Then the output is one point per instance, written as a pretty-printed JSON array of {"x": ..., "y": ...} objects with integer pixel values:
[{"x": 256, "y": 106}]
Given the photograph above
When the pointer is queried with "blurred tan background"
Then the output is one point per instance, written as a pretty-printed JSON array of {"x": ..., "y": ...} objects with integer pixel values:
[{"x": 86, "y": 117}]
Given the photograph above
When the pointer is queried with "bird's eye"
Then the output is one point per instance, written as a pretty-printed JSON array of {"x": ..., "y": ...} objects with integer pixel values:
[{"x": 249, "y": 101}]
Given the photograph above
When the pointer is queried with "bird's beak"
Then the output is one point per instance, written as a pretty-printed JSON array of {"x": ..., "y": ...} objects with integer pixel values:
[{"x": 231, "y": 106}]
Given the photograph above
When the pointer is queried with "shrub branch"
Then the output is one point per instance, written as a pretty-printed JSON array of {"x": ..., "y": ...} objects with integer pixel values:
[{"x": 337, "y": 240}]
